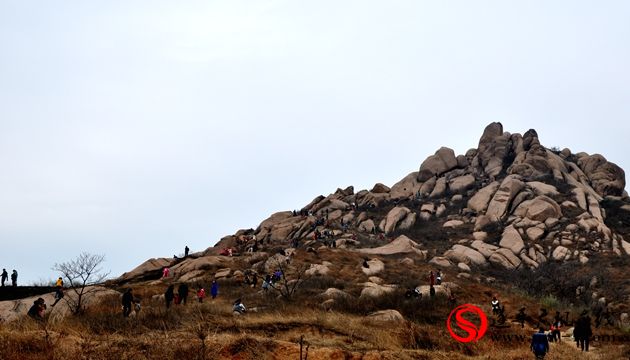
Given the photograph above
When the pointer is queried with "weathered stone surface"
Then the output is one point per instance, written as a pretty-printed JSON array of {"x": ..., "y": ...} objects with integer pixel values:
[
  {"x": 439, "y": 189},
  {"x": 511, "y": 239},
  {"x": 463, "y": 267},
  {"x": 442, "y": 161},
  {"x": 453, "y": 223},
  {"x": 541, "y": 188},
  {"x": 535, "y": 233},
  {"x": 492, "y": 149},
  {"x": 441, "y": 262},
  {"x": 479, "y": 202},
  {"x": 372, "y": 290},
  {"x": 499, "y": 205},
  {"x": 394, "y": 216},
  {"x": 540, "y": 208},
  {"x": 407, "y": 187},
  {"x": 317, "y": 269},
  {"x": 459, "y": 253},
  {"x": 375, "y": 267},
  {"x": 149, "y": 266},
  {"x": 408, "y": 222},
  {"x": 386, "y": 316},
  {"x": 400, "y": 245},
  {"x": 461, "y": 183},
  {"x": 505, "y": 258},
  {"x": 485, "y": 249},
  {"x": 561, "y": 253},
  {"x": 380, "y": 189},
  {"x": 605, "y": 177},
  {"x": 367, "y": 226}
]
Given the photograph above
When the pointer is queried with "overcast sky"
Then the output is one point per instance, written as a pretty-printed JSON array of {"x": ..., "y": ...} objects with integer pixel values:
[{"x": 134, "y": 128}]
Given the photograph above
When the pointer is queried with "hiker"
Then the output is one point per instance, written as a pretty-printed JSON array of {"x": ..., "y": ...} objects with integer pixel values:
[
  {"x": 59, "y": 282},
  {"x": 201, "y": 293},
  {"x": 557, "y": 324},
  {"x": 5, "y": 276},
  {"x": 265, "y": 284},
  {"x": 14, "y": 276},
  {"x": 413, "y": 293},
  {"x": 431, "y": 278},
  {"x": 182, "y": 291},
  {"x": 495, "y": 305},
  {"x": 58, "y": 295},
  {"x": 582, "y": 332},
  {"x": 127, "y": 299},
  {"x": 255, "y": 280},
  {"x": 214, "y": 289},
  {"x": 186, "y": 250},
  {"x": 165, "y": 272},
  {"x": 431, "y": 291},
  {"x": 452, "y": 300},
  {"x": 277, "y": 276},
  {"x": 520, "y": 317},
  {"x": 37, "y": 310},
  {"x": 238, "y": 307},
  {"x": 438, "y": 278},
  {"x": 365, "y": 263},
  {"x": 169, "y": 295},
  {"x": 540, "y": 345}
]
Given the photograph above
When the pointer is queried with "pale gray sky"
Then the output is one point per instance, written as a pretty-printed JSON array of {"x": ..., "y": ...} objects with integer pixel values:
[{"x": 133, "y": 128}]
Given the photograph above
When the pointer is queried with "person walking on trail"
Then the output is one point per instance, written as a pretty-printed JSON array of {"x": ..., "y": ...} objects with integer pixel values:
[
  {"x": 59, "y": 282},
  {"x": 201, "y": 293},
  {"x": 169, "y": 295},
  {"x": 186, "y": 250},
  {"x": 496, "y": 306},
  {"x": 127, "y": 300},
  {"x": 214, "y": 289},
  {"x": 182, "y": 291},
  {"x": 540, "y": 344},
  {"x": 583, "y": 331},
  {"x": 520, "y": 317},
  {"x": 431, "y": 278},
  {"x": 5, "y": 276},
  {"x": 557, "y": 324},
  {"x": 14, "y": 276}
]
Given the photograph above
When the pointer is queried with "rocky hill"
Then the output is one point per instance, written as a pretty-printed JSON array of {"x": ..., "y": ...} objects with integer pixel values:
[
  {"x": 543, "y": 229},
  {"x": 510, "y": 204}
]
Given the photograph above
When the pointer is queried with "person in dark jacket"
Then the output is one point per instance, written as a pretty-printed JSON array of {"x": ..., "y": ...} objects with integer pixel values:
[
  {"x": 214, "y": 289},
  {"x": 5, "y": 276},
  {"x": 583, "y": 331},
  {"x": 540, "y": 344},
  {"x": 182, "y": 290},
  {"x": 169, "y": 295},
  {"x": 37, "y": 310},
  {"x": 14, "y": 276},
  {"x": 127, "y": 300}
]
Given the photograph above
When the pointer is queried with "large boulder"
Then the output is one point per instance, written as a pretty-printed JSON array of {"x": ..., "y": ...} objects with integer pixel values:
[
  {"x": 375, "y": 266},
  {"x": 606, "y": 178},
  {"x": 460, "y": 184},
  {"x": 485, "y": 249},
  {"x": 401, "y": 245},
  {"x": 540, "y": 208},
  {"x": 493, "y": 149},
  {"x": 386, "y": 316},
  {"x": 511, "y": 239},
  {"x": 394, "y": 216},
  {"x": 505, "y": 258},
  {"x": 442, "y": 161},
  {"x": 479, "y": 202},
  {"x": 460, "y": 253},
  {"x": 561, "y": 253},
  {"x": 380, "y": 189},
  {"x": 407, "y": 187},
  {"x": 148, "y": 267},
  {"x": 500, "y": 203}
]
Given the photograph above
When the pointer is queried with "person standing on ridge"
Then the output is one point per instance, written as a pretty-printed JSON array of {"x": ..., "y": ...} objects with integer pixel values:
[
  {"x": 59, "y": 282},
  {"x": 186, "y": 250},
  {"x": 5, "y": 276},
  {"x": 14, "y": 276},
  {"x": 127, "y": 300}
]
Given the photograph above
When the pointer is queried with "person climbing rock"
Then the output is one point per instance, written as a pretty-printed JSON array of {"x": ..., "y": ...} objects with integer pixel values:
[
  {"x": 540, "y": 344},
  {"x": 127, "y": 300},
  {"x": 59, "y": 282},
  {"x": 169, "y": 295}
]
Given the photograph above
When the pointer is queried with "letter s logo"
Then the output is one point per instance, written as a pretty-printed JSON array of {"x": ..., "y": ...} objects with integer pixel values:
[{"x": 474, "y": 333}]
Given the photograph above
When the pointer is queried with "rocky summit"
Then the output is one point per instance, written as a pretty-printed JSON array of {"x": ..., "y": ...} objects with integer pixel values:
[{"x": 374, "y": 274}]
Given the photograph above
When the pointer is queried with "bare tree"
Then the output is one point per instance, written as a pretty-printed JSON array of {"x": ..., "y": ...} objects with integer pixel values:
[
  {"x": 292, "y": 278},
  {"x": 82, "y": 273}
]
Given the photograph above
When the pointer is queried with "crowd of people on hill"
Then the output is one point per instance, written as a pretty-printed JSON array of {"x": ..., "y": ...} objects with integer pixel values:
[{"x": 5, "y": 277}]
